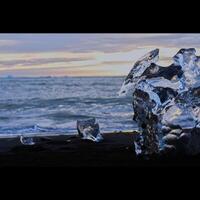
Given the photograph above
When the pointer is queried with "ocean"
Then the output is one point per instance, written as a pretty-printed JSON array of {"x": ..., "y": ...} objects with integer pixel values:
[{"x": 52, "y": 105}]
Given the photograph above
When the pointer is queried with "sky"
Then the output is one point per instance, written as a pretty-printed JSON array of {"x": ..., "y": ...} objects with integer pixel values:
[{"x": 85, "y": 54}]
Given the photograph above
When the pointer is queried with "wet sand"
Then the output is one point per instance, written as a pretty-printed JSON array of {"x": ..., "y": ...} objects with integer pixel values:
[{"x": 117, "y": 149}]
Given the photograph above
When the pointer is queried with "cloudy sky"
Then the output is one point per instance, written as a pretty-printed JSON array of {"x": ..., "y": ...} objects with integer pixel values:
[{"x": 84, "y": 54}]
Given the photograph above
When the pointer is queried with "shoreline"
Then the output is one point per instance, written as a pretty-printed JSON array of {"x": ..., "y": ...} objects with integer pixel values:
[
  {"x": 68, "y": 150},
  {"x": 5, "y": 136}
]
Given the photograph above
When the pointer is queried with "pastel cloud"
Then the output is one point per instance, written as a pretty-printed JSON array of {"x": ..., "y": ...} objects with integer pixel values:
[
  {"x": 8, "y": 43},
  {"x": 84, "y": 54},
  {"x": 39, "y": 61}
]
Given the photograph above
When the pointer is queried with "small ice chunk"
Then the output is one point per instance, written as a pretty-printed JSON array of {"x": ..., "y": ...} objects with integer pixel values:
[
  {"x": 179, "y": 115},
  {"x": 165, "y": 129},
  {"x": 176, "y": 132},
  {"x": 89, "y": 129},
  {"x": 26, "y": 140},
  {"x": 170, "y": 138},
  {"x": 138, "y": 149},
  {"x": 168, "y": 148},
  {"x": 138, "y": 143}
]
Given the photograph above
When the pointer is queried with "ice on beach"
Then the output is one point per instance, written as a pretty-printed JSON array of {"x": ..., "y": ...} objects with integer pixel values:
[
  {"x": 165, "y": 96},
  {"x": 89, "y": 129},
  {"x": 26, "y": 140}
]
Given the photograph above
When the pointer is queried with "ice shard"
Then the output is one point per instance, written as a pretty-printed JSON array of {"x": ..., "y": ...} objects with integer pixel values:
[
  {"x": 89, "y": 129},
  {"x": 26, "y": 140}
]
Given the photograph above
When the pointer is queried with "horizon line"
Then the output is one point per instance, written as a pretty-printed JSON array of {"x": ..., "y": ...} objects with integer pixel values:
[{"x": 11, "y": 76}]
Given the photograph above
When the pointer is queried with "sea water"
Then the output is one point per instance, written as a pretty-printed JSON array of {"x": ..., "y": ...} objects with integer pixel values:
[{"x": 52, "y": 105}]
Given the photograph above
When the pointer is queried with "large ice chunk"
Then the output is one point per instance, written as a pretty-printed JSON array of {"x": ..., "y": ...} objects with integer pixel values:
[{"x": 166, "y": 102}]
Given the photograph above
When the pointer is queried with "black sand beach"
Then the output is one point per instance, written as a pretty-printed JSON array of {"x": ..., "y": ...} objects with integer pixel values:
[
  {"x": 116, "y": 149},
  {"x": 71, "y": 151}
]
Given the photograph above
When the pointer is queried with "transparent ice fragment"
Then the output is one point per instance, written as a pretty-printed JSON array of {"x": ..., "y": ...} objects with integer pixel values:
[
  {"x": 26, "y": 140},
  {"x": 89, "y": 129}
]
